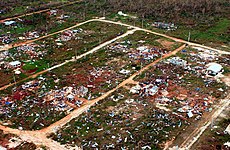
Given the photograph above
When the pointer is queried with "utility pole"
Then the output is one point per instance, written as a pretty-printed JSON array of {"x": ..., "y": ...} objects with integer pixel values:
[
  {"x": 212, "y": 123},
  {"x": 104, "y": 13},
  {"x": 75, "y": 54},
  {"x": 14, "y": 79},
  {"x": 142, "y": 21},
  {"x": 189, "y": 35},
  {"x": 84, "y": 16},
  {"x": 48, "y": 65}
]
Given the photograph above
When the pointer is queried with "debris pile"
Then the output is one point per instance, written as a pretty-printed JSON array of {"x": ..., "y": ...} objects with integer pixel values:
[
  {"x": 32, "y": 50},
  {"x": 31, "y": 35},
  {"x": 69, "y": 34},
  {"x": 166, "y": 26},
  {"x": 146, "y": 53}
]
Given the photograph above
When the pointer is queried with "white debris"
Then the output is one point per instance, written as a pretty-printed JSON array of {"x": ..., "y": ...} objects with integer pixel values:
[
  {"x": 15, "y": 63},
  {"x": 146, "y": 147},
  {"x": 122, "y": 14},
  {"x": 227, "y": 130},
  {"x": 129, "y": 101},
  {"x": 17, "y": 72},
  {"x": 190, "y": 114},
  {"x": 178, "y": 61},
  {"x": 7, "y": 23},
  {"x": 98, "y": 130},
  {"x": 59, "y": 44},
  {"x": 227, "y": 144},
  {"x": 14, "y": 142},
  {"x": 2, "y": 148},
  {"x": 123, "y": 71},
  {"x": 135, "y": 89}
]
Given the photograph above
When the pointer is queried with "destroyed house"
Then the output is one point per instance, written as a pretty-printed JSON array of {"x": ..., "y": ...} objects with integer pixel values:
[
  {"x": 177, "y": 61},
  {"x": 15, "y": 64},
  {"x": 162, "y": 25}
]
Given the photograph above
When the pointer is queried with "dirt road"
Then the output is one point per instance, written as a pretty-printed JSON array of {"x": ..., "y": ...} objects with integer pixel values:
[
  {"x": 37, "y": 137},
  {"x": 38, "y": 12},
  {"x": 195, "y": 135}
]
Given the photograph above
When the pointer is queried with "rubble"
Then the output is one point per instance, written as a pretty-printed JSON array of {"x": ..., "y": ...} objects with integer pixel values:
[
  {"x": 68, "y": 35},
  {"x": 178, "y": 61},
  {"x": 123, "y": 71},
  {"x": 70, "y": 94},
  {"x": 155, "y": 105},
  {"x": 22, "y": 102},
  {"x": 53, "y": 12},
  {"x": 15, "y": 64},
  {"x": 31, "y": 35},
  {"x": 6, "y": 39},
  {"x": 32, "y": 50},
  {"x": 125, "y": 15},
  {"x": 144, "y": 89},
  {"x": 11, "y": 22},
  {"x": 166, "y": 26},
  {"x": 227, "y": 130},
  {"x": 146, "y": 53}
]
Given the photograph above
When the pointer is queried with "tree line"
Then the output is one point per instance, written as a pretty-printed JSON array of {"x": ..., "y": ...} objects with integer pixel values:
[{"x": 176, "y": 10}]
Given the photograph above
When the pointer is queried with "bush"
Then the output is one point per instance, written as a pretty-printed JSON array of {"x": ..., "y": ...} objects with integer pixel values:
[{"x": 29, "y": 67}]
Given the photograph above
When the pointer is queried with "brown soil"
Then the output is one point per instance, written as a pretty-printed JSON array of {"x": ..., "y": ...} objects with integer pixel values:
[{"x": 166, "y": 44}]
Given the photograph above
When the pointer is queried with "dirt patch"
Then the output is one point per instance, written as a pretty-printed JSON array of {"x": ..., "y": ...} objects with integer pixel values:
[
  {"x": 32, "y": 71},
  {"x": 226, "y": 80},
  {"x": 4, "y": 78},
  {"x": 165, "y": 43},
  {"x": 110, "y": 108}
]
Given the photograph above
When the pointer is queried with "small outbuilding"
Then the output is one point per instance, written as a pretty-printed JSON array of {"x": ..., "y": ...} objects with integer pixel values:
[{"x": 214, "y": 68}]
